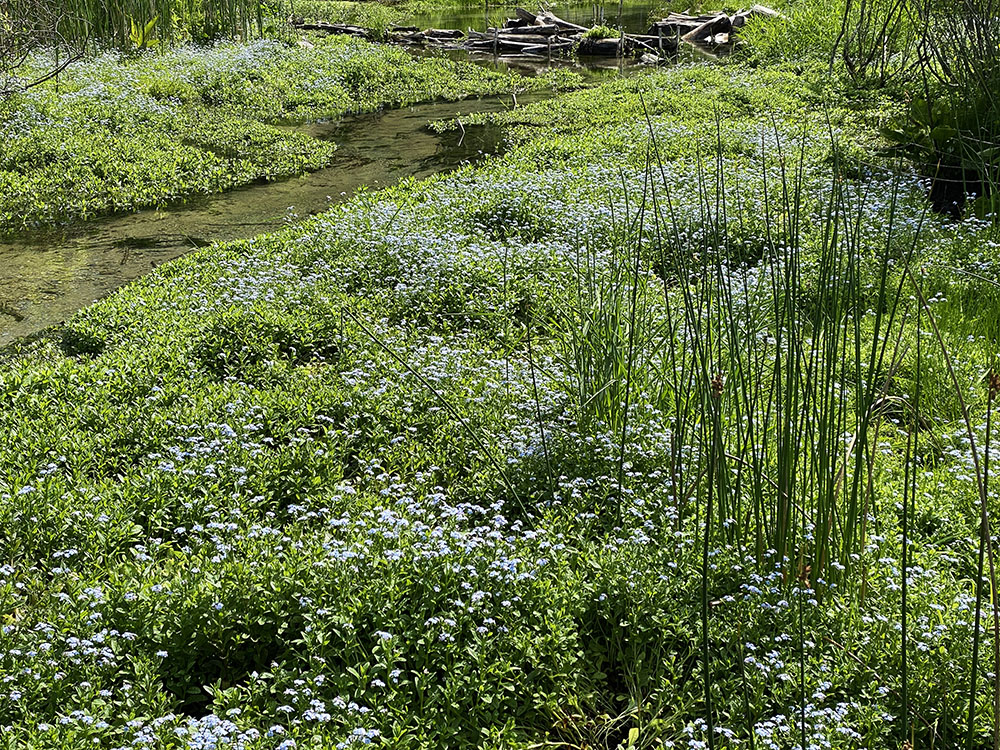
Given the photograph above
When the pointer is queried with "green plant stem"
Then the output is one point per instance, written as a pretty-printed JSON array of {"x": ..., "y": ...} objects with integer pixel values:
[{"x": 444, "y": 402}]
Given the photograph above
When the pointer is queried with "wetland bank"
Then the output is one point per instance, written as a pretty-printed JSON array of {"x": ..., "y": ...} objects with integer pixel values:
[{"x": 669, "y": 424}]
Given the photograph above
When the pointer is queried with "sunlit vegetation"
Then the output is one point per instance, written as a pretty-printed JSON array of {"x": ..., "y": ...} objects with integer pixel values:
[
  {"x": 120, "y": 132},
  {"x": 673, "y": 426}
]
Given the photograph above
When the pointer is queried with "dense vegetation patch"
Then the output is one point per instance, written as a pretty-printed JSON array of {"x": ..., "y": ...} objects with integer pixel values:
[
  {"x": 123, "y": 132},
  {"x": 939, "y": 62},
  {"x": 590, "y": 445}
]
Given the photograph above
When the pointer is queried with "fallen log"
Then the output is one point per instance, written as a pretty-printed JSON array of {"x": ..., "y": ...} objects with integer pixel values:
[
  {"x": 334, "y": 28},
  {"x": 519, "y": 43},
  {"x": 720, "y": 24},
  {"x": 525, "y": 15},
  {"x": 760, "y": 11},
  {"x": 544, "y": 49},
  {"x": 443, "y": 34},
  {"x": 549, "y": 17},
  {"x": 680, "y": 22},
  {"x": 543, "y": 30},
  {"x": 655, "y": 40},
  {"x": 635, "y": 45},
  {"x": 600, "y": 47},
  {"x": 505, "y": 42},
  {"x": 541, "y": 34},
  {"x": 531, "y": 59}
]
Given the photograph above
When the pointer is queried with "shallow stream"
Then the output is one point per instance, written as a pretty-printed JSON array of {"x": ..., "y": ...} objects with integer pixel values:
[{"x": 46, "y": 276}]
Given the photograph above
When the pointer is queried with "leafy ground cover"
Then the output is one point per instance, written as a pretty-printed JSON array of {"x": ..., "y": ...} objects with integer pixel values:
[
  {"x": 123, "y": 132},
  {"x": 624, "y": 439}
]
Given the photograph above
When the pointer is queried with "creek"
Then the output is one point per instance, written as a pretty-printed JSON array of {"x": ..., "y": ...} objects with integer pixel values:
[{"x": 47, "y": 275}]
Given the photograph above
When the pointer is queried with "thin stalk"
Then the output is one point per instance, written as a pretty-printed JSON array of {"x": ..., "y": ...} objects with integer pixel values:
[
  {"x": 803, "y": 581},
  {"x": 444, "y": 402},
  {"x": 706, "y": 652},
  {"x": 909, "y": 497},
  {"x": 993, "y": 390},
  {"x": 633, "y": 305},
  {"x": 746, "y": 688},
  {"x": 538, "y": 412},
  {"x": 905, "y": 677}
]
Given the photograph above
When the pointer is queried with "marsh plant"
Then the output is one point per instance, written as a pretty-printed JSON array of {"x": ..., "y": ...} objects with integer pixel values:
[
  {"x": 172, "y": 20},
  {"x": 700, "y": 456}
]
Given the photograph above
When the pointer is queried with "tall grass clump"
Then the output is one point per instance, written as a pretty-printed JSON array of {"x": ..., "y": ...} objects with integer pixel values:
[
  {"x": 173, "y": 20},
  {"x": 770, "y": 324},
  {"x": 782, "y": 378},
  {"x": 804, "y": 33},
  {"x": 778, "y": 371},
  {"x": 609, "y": 338}
]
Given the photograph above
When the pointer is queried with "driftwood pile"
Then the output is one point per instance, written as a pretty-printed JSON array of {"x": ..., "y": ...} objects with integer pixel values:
[
  {"x": 333, "y": 28},
  {"x": 712, "y": 29},
  {"x": 543, "y": 34}
]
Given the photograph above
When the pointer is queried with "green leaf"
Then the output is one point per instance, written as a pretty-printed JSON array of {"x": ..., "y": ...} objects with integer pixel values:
[
  {"x": 942, "y": 134},
  {"x": 920, "y": 111},
  {"x": 896, "y": 135}
]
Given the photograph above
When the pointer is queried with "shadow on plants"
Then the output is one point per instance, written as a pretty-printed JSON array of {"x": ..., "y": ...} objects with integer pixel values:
[
  {"x": 198, "y": 661},
  {"x": 932, "y": 136},
  {"x": 629, "y": 656},
  {"x": 508, "y": 219},
  {"x": 241, "y": 343},
  {"x": 80, "y": 340}
]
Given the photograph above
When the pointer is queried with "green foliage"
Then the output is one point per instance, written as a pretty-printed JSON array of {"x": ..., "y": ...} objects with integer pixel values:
[
  {"x": 949, "y": 52},
  {"x": 141, "y": 34},
  {"x": 806, "y": 33},
  {"x": 607, "y": 340},
  {"x": 122, "y": 133},
  {"x": 601, "y": 32},
  {"x": 238, "y": 343},
  {"x": 234, "y": 517},
  {"x": 81, "y": 339},
  {"x": 120, "y": 23},
  {"x": 379, "y": 17},
  {"x": 931, "y": 128}
]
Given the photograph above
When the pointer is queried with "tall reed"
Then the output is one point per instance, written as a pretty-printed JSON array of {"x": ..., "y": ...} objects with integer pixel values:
[
  {"x": 112, "y": 22},
  {"x": 801, "y": 371}
]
